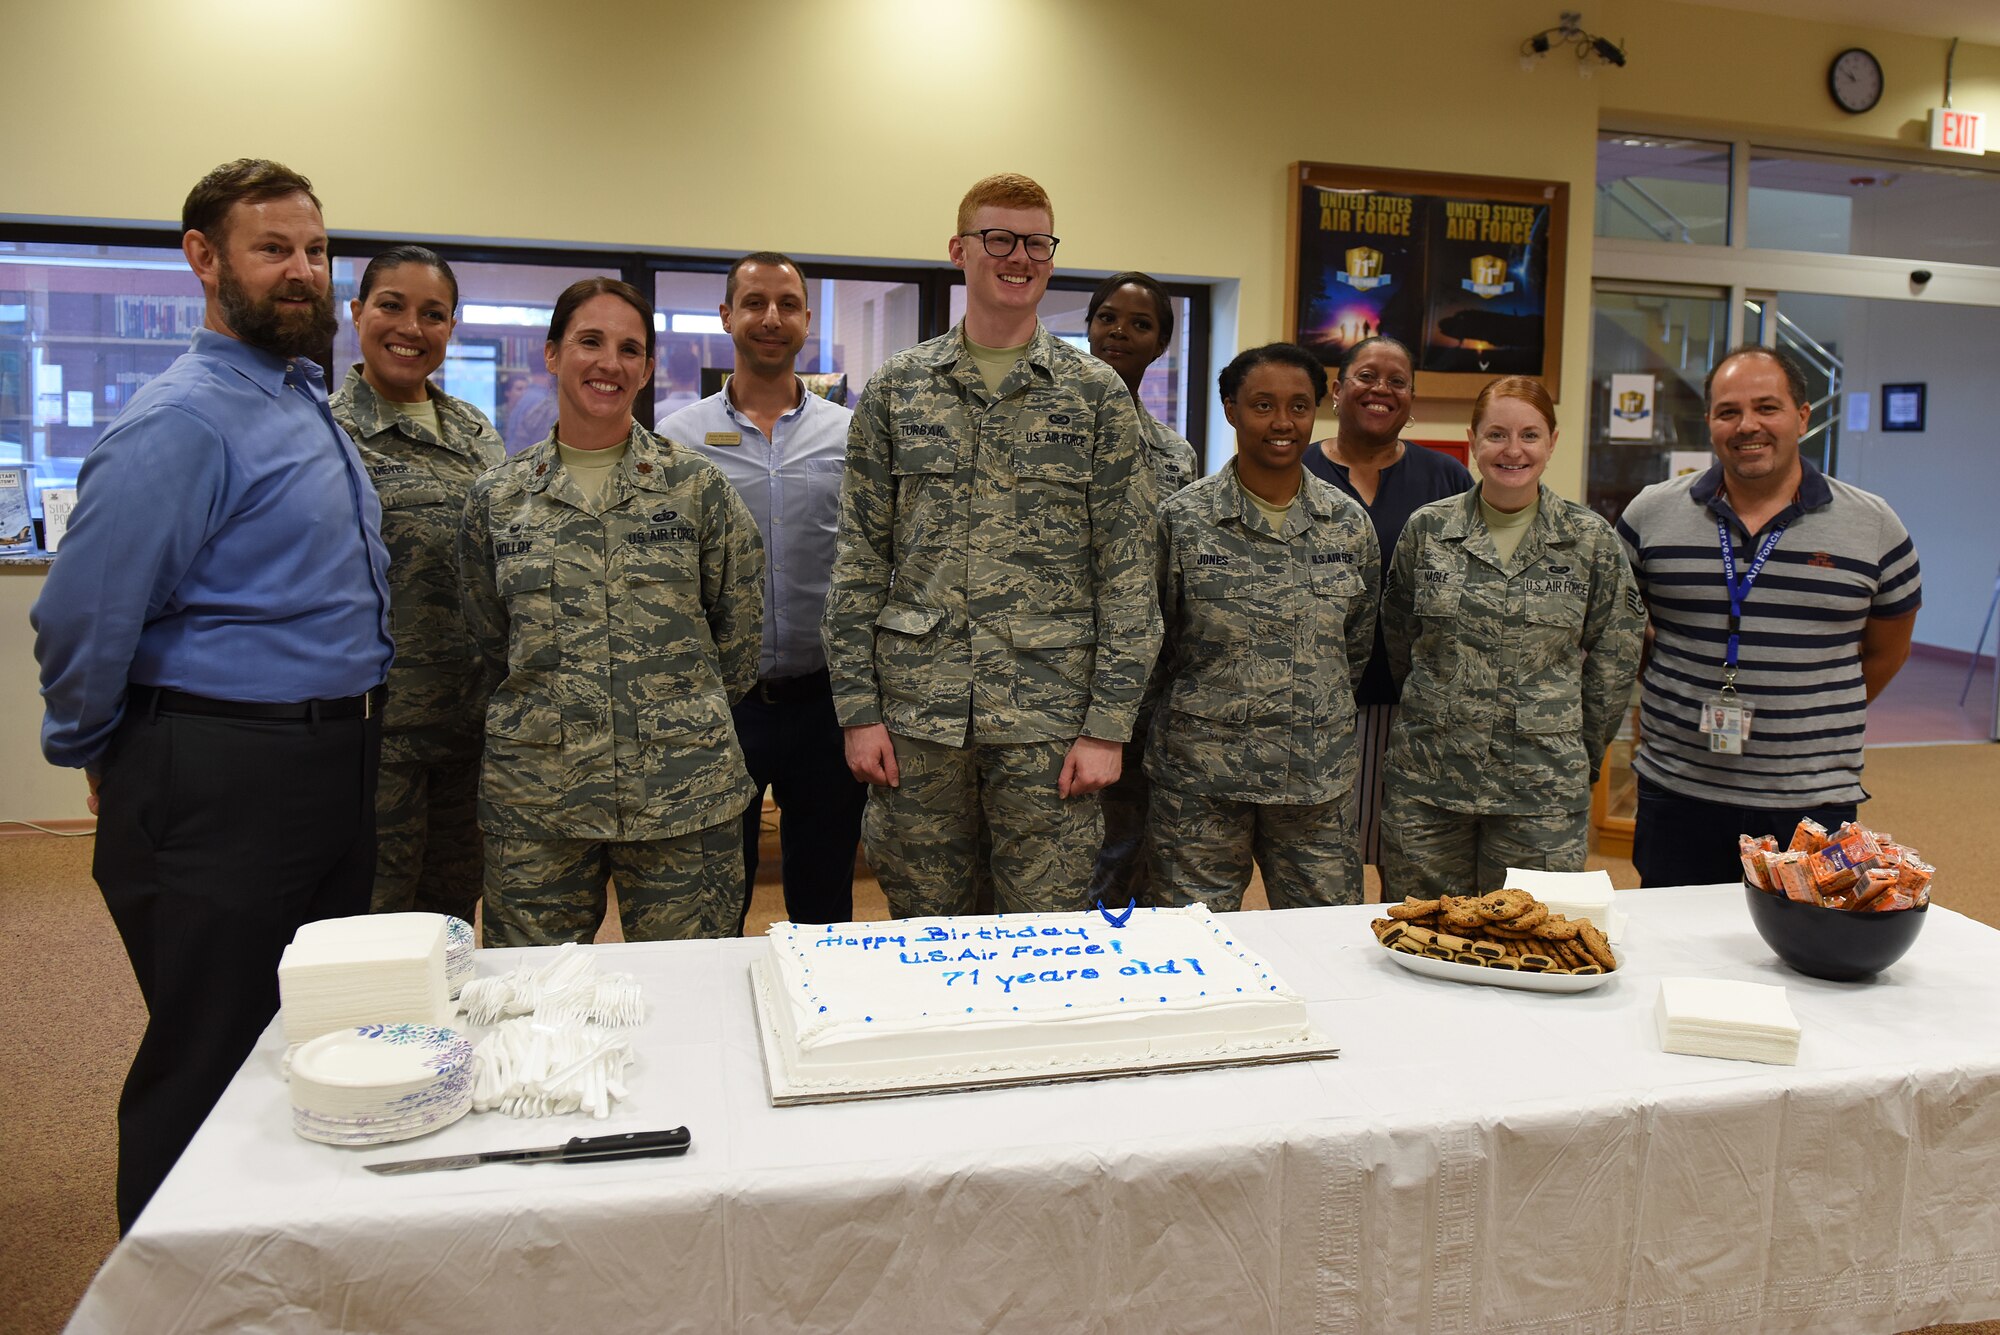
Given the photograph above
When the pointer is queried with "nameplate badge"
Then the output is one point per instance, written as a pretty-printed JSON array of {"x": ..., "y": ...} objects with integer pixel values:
[{"x": 723, "y": 438}]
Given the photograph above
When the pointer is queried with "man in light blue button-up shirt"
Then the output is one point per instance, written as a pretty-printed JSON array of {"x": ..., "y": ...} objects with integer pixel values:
[
  {"x": 212, "y": 640},
  {"x": 784, "y": 449}
]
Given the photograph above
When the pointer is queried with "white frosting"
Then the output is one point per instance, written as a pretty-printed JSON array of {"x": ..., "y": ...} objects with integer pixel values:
[{"x": 856, "y": 1004}]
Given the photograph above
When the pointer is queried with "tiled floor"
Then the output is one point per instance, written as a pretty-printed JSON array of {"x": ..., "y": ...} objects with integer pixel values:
[{"x": 1921, "y": 704}]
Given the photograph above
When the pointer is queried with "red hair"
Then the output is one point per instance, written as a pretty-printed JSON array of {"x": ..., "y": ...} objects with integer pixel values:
[
  {"x": 1525, "y": 388},
  {"x": 1008, "y": 190}
]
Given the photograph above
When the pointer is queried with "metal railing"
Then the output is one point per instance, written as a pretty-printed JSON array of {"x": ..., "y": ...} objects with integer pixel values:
[
  {"x": 1820, "y": 360},
  {"x": 1665, "y": 230}
]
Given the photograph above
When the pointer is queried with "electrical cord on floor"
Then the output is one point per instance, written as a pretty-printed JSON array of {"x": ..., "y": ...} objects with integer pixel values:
[{"x": 60, "y": 834}]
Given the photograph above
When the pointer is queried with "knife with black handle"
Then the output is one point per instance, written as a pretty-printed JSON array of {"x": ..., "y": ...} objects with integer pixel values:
[{"x": 630, "y": 1145}]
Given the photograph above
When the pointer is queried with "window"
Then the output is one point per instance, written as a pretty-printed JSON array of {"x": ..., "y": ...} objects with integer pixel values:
[
  {"x": 82, "y": 327},
  {"x": 89, "y": 314},
  {"x": 1656, "y": 188},
  {"x": 1855, "y": 206},
  {"x": 1657, "y": 342}
]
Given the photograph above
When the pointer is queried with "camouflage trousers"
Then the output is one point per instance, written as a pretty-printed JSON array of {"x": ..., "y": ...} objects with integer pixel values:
[
  {"x": 1202, "y": 848},
  {"x": 1428, "y": 851},
  {"x": 427, "y": 854},
  {"x": 1124, "y": 868},
  {"x": 923, "y": 837},
  {"x": 544, "y": 892}
]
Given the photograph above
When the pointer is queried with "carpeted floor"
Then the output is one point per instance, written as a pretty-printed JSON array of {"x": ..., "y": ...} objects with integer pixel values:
[{"x": 72, "y": 1014}]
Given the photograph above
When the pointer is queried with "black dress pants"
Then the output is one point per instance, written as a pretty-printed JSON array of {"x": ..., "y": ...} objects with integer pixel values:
[
  {"x": 217, "y": 838},
  {"x": 793, "y": 745},
  {"x": 1685, "y": 841}
]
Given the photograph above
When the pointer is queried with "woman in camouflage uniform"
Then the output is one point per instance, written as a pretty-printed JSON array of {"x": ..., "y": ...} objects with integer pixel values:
[
  {"x": 423, "y": 449},
  {"x": 1130, "y": 324},
  {"x": 614, "y": 581},
  {"x": 1513, "y": 626},
  {"x": 1267, "y": 588}
]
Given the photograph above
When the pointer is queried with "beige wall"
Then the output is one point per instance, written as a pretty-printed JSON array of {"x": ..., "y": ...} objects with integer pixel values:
[{"x": 1163, "y": 128}]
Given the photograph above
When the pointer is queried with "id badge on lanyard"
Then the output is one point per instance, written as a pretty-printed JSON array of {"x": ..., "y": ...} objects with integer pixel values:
[{"x": 1725, "y": 716}]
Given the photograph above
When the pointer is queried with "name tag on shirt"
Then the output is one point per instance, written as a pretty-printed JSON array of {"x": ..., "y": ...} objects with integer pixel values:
[{"x": 723, "y": 438}]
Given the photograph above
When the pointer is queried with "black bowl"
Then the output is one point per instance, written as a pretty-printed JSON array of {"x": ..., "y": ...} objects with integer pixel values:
[{"x": 1833, "y": 943}]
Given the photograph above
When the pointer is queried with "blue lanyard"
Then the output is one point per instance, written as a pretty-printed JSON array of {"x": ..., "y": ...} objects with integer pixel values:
[{"x": 1740, "y": 589}]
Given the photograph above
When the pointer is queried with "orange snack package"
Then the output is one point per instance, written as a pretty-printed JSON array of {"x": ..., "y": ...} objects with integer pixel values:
[
  {"x": 1751, "y": 854},
  {"x": 1809, "y": 837},
  {"x": 1830, "y": 870},
  {"x": 1789, "y": 874}
]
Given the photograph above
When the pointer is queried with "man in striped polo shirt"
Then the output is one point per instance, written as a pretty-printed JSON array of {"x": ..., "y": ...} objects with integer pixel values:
[{"x": 1781, "y": 601}]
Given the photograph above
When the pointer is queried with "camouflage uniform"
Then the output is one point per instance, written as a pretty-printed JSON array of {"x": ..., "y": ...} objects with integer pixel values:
[
  {"x": 1123, "y": 874},
  {"x": 623, "y": 632},
  {"x": 1514, "y": 678},
  {"x": 1252, "y": 750},
  {"x": 992, "y": 594},
  {"x": 427, "y": 837}
]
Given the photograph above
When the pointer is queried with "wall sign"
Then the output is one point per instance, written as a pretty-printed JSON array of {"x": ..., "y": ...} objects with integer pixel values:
[
  {"x": 1465, "y": 270},
  {"x": 1958, "y": 131},
  {"x": 1903, "y": 407}
]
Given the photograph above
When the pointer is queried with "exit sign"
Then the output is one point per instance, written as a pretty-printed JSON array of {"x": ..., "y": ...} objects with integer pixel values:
[{"x": 1958, "y": 131}]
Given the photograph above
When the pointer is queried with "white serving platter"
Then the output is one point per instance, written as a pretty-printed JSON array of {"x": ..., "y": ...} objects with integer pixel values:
[{"x": 1520, "y": 980}]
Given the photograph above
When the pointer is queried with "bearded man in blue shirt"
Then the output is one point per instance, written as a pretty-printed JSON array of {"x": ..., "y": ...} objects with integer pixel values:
[{"x": 212, "y": 640}]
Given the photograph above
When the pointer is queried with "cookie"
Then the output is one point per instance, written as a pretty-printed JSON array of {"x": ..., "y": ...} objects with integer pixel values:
[
  {"x": 1593, "y": 941},
  {"x": 1503, "y": 906},
  {"x": 1556, "y": 928},
  {"x": 1463, "y": 915},
  {"x": 1536, "y": 914},
  {"x": 1412, "y": 909}
]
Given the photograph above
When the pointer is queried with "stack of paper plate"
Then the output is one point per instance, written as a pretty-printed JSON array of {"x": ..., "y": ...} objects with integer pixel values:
[
  {"x": 457, "y": 954},
  {"x": 380, "y": 1082}
]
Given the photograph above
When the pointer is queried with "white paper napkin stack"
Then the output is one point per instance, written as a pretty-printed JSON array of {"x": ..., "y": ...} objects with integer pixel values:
[
  {"x": 1574, "y": 894},
  {"x": 1713, "y": 1017},
  {"x": 375, "y": 969}
]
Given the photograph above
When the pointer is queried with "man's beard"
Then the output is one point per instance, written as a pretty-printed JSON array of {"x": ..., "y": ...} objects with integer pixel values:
[{"x": 287, "y": 331}]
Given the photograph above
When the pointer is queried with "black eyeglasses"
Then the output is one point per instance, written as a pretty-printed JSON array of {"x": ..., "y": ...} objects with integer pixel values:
[{"x": 1000, "y": 243}]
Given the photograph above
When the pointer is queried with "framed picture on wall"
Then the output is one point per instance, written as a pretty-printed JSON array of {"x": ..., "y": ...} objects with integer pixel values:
[
  {"x": 1465, "y": 270},
  {"x": 1903, "y": 407}
]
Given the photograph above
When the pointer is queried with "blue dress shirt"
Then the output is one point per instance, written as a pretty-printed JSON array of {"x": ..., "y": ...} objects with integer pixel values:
[
  {"x": 792, "y": 486},
  {"x": 226, "y": 542}
]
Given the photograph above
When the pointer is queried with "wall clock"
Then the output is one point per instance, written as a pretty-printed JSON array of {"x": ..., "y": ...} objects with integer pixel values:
[{"x": 1855, "y": 80}]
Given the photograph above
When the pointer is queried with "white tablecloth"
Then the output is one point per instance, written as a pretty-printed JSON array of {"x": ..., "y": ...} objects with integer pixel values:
[{"x": 1476, "y": 1160}]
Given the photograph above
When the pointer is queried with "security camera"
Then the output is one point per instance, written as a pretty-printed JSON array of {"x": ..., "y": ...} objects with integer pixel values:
[{"x": 1920, "y": 276}]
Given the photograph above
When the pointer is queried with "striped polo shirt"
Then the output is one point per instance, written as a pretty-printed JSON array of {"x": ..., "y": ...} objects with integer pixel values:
[{"x": 1844, "y": 558}]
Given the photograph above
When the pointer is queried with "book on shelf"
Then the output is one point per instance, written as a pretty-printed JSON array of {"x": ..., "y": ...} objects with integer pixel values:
[
  {"x": 57, "y": 502},
  {"x": 156, "y": 317},
  {"x": 17, "y": 528}
]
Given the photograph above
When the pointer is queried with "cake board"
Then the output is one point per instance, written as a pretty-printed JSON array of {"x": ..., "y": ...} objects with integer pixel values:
[{"x": 786, "y": 1094}]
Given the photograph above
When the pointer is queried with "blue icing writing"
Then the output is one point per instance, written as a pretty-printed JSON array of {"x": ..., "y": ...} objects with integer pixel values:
[
  {"x": 862, "y": 942},
  {"x": 953, "y": 975},
  {"x": 1045, "y": 976},
  {"x": 1041, "y": 951},
  {"x": 935, "y": 934},
  {"x": 1138, "y": 967},
  {"x": 944, "y": 956}
]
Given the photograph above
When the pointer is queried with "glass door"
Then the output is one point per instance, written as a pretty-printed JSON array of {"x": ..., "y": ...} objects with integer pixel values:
[{"x": 1650, "y": 346}]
